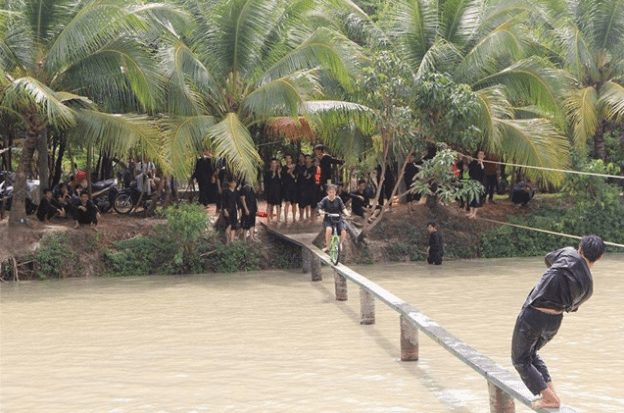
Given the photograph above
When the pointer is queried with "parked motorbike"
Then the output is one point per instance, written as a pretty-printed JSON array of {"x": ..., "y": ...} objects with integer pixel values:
[
  {"x": 132, "y": 197},
  {"x": 6, "y": 192},
  {"x": 104, "y": 193}
]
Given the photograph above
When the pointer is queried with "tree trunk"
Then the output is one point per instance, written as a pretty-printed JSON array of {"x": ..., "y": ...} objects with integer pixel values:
[
  {"x": 58, "y": 167},
  {"x": 600, "y": 148},
  {"x": 42, "y": 148},
  {"x": 377, "y": 220},
  {"x": 18, "y": 208}
]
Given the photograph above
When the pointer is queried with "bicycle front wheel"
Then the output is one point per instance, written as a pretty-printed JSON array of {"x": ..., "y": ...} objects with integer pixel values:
[{"x": 334, "y": 249}]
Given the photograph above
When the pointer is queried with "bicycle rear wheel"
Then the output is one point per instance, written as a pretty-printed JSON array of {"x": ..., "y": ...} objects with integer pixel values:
[{"x": 334, "y": 249}]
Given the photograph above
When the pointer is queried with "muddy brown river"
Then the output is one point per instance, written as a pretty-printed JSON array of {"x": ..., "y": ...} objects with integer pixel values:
[{"x": 274, "y": 341}]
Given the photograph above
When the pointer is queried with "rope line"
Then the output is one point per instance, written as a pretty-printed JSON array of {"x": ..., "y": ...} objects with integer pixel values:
[
  {"x": 613, "y": 244},
  {"x": 550, "y": 169}
]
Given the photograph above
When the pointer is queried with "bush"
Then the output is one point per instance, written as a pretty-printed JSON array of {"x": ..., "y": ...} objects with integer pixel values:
[
  {"x": 142, "y": 256},
  {"x": 237, "y": 256},
  {"x": 604, "y": 220},
  {"x": 53, "y": 255}
]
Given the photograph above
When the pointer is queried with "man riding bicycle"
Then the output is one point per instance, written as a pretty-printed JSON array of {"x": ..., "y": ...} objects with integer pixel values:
[{"x": 332, "y": 204}]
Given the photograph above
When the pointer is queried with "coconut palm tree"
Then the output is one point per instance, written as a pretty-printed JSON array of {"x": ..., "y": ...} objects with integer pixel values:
[
  {"x": 253, "y": 62},
  {"x": 484, "y": 44},
  {"x": 589, "y": 40},
  {"x": 61, "y": 60}
]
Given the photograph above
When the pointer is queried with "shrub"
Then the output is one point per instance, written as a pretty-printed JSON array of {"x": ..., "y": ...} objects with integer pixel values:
[
  {"x": 53, "y": 255},
  {"x": 237, "y": 256},
  {"x": 142, "y": 256}
]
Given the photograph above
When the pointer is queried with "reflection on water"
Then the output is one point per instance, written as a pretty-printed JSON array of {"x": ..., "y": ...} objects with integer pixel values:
[{"x": 276, "y": 342}]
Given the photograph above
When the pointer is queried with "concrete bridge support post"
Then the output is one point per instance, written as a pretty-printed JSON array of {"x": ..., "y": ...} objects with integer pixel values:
[
  {"x": 409, "y": 340},
  {"x": 306, "y": 255},
  {"x": 341, "y": 287},
  {"x": 315, "y": 267},
  {"x": 500, "y": 402},
  {"x": 367, "y": 307}
]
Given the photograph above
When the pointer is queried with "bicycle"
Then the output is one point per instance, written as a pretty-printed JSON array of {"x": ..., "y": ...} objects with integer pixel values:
[{"x": 334, "y": 242}]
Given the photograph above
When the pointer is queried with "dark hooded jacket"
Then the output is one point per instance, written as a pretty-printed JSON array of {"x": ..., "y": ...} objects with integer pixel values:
[{"x": 566, "y": 284}]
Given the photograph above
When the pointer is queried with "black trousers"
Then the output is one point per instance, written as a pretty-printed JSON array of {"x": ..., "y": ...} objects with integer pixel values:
[
  {"x": 491, "y": 185},
  {"x": 435, "y": 258},
  {"x": 533, "y": 330}
]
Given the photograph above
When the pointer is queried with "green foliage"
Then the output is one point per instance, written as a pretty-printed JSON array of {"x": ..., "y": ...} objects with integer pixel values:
[
  {"x": 237, "y": 256},
  {"x": 605, "y": 221},
  {"x": 53, "y": 255},
  {"x": 284, "y": 254},
  {"x": 437, "y": 180},
  {"x": 591, "y": 190},
  {"x": 447, "y": 111},
  {"x": 142, "y": 256},
  {"x": 186, "y": 223}
]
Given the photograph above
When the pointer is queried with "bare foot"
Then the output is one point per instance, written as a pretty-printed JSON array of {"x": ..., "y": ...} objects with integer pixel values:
[
  {"x": 549, "y": 399},
  {"x": 77, "y": 225}
]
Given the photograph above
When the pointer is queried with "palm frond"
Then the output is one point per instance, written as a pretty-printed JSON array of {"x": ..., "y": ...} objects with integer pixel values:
[
  {"x": 280, "y": 97},
  {"x": 442, "y": 56},
  {"x": 189, "y": 80},
  {"x": 535, "y": 142},
  {"x": 494, "y": 105},
  {"x": 343, "y": 125},
  {"x": 609, "y": 23},
  {"x": 415, "y": 24},
  {"x": 498, "y": 45},
  {"x": 33, "y": 93},
  {"x": 459, "y": 20},
  {"x": 122, "y": 74},
  {"x": 231, "y": 140},
  {"x": 242, "y": 30},
  {"x": 612, "y": 101},
  {"x": 577, "y": 53},
  {"x": 536, "y": 82},
  {"x": 118, "y": 134},
  {"x": 93, "y": 26},
  {"x": 582, "y": 108},
  {"x": 325, "y": 49},
  {"x": 183, "y": 140}
]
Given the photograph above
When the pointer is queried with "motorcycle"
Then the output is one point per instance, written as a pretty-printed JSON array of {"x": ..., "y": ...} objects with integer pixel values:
[
  {"x": 132, "y": 197},
  {"x": 104, "y": 193},
  {"x": 6, "y": 192}
]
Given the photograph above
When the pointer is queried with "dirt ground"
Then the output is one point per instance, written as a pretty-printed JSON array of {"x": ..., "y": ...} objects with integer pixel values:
[{"x": 400, "y": 236}]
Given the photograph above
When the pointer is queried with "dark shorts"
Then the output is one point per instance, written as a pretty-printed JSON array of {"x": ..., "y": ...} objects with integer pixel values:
[
  {"x": 340, "y": 226},
  {"x": 248, "y": 221},
  {"x": 274, "y": 197},
  {"x": 290, "y": 195},
  {"x": 231, "y": 220},
  {"x": 308, "y": 197}
]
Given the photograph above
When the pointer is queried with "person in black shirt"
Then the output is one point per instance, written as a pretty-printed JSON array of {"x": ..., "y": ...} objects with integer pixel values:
[
  {"x": 411, "y": 169},
  {"x": 359, "y": 199},
  {"x": 477, "y": 172},
  {"x": 230, "y": 210},
  {"x": 86, "y": 212},
  {"x": 249, "y": 206},
  {"x": 49, "y": 207},
  {"x": 289, "y": 188},
  {"x": 566, "y": 284},
  {"x": 332, "y": 204},
  {"x": 273, "y": 189},
  {"x": 204, "y": 172},
  {"x": 308, "y": 189},
  {"x": 325, "y": 162},
  {"x": 435, "y": 248}
]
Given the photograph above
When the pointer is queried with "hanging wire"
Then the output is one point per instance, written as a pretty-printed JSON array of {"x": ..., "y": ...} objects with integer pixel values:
[
  {"x": 550, "y": 169},
  {"x": 613, "y": 244}
]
